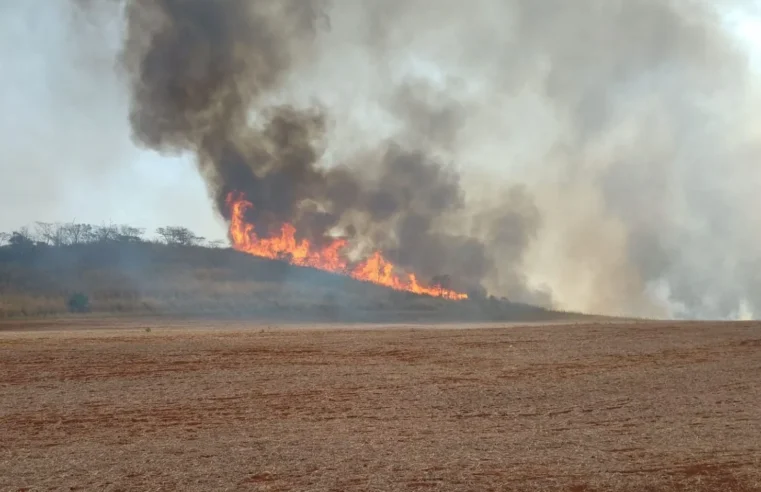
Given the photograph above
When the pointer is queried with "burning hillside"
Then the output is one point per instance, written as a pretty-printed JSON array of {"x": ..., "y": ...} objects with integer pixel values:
[
  {"x": 375, "y": 269},
  {"x": 195, "y": 89},
  {"x": 525, "y": 162}
]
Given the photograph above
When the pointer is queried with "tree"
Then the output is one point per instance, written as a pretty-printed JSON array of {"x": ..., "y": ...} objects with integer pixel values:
[
  {"x": 104, "y": 233},
  {"x": 77, "y": 233},
  {"x": 178, "y": 236},
  {"x": 55, "y": 234},
  {"x": 21, "y": 239},
  {"x": 130, "y": 234},
  {"x": 50, "y": 233},
  {"x": 217, "y": 243}
]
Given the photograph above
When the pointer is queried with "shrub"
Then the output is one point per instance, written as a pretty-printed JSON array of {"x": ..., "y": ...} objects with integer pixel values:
[{"x": 79, "y": 303}]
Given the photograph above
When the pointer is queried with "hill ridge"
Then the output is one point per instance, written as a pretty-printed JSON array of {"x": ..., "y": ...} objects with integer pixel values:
[{"x": 140, "y": 277}]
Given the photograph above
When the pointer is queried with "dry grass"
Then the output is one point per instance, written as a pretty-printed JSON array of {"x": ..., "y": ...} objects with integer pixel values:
[
  {"x": 151, "y": 279},
  {"x": 197, "y": 406}
]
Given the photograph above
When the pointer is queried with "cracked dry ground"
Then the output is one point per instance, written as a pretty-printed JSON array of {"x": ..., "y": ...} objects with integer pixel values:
[{"x": 576, "y": 408}]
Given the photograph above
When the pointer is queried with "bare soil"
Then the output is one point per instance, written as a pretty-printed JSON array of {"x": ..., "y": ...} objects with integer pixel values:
[{"x": 578, "y": 408}]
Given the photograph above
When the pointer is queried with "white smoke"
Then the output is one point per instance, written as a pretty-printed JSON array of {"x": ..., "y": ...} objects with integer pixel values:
[{"x": 624, "y": 132}]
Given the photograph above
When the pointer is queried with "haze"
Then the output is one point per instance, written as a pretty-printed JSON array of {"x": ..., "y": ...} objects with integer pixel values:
[{"x": 642, "y": 166}]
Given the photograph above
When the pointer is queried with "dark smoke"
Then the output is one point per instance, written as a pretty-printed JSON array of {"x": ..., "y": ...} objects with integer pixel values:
[
  {"x": 199, "y": 71},
  {"x": 596, "y": 154},
  {"x": 201, "y": 75}
]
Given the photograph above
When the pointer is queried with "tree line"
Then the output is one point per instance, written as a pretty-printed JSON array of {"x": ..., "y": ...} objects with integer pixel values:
[{"x": 73, "y": 233}]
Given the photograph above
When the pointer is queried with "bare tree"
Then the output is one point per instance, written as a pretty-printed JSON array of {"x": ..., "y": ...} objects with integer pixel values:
[
  {"x": 104, "y": 233},
  {"x": 25, "y": 233},
  {"x": 22, "y": 239},
  {"x": 50, "y": 233},
  {"x": 75, "y": 233},
  {"x": 130, "y": 234},
  {"x": 55, "y": 234},
  {"x": 217, "y": 244},
  {"x": 178, "y": 236}
]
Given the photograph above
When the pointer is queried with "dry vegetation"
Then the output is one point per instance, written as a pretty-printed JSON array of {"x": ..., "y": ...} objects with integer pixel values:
[
  {"x": 196, "y": 406},
  {"x": 149, "y": 278}
]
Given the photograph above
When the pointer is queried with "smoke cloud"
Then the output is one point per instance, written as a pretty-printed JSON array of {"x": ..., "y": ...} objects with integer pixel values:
[
  {"x": 65, "y": 139},
  {"x": 597, "y": 155}
]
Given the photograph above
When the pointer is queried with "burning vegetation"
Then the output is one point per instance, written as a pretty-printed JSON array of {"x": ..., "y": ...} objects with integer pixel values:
[
  {"x": 284, "y": 246},
  {"x": 54, "y": 268},
  {"x": 203, "y": 75},
  {"x": 491, "y": 147}
]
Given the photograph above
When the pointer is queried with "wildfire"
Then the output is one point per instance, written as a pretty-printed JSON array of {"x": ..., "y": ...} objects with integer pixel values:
[{"x": 284, "y": 246}]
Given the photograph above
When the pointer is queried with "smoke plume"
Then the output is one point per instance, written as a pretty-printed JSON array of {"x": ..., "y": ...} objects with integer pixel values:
[{"x": 596, "y": 155}]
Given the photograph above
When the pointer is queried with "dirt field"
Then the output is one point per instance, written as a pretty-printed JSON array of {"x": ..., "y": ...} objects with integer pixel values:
[{"x": 631, "y": 407}]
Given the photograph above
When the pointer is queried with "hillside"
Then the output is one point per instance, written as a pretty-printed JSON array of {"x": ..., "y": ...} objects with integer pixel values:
[{"x": 158, "y": 279}]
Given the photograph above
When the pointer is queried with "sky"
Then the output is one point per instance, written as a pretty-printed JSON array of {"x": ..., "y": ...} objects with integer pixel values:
[
  {"x": 66, "y": 151},
  {"x": 65, "y": 139}
]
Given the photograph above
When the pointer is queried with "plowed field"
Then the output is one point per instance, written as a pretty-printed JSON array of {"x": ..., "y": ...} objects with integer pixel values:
[{"x": 595, "y": 407}]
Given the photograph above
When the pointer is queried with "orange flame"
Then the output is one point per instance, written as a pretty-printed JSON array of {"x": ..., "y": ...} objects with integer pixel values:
[{"x": 375, "y": 269}]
